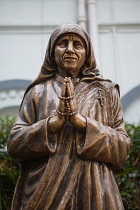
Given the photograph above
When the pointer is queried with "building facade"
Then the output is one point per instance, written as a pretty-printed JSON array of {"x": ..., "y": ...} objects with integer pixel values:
[{"x": 114, "y": 28}]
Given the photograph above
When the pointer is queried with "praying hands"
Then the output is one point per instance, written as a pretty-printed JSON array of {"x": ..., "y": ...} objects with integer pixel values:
[{"x": 67, "y": 109}]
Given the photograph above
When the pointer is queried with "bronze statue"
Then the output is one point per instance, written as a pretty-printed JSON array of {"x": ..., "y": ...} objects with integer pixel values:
[{"x": 69, "y": 135}]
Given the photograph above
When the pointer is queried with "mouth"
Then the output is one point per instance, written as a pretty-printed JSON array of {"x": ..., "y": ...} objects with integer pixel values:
[{"x": 70, "y": 58}]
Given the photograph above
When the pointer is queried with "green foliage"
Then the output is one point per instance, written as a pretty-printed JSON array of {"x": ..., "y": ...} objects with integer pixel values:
[
  {"x": 5, "y": 127},
  {"x": 128, "y": 178},
  {"x": 8, "y": 166}
]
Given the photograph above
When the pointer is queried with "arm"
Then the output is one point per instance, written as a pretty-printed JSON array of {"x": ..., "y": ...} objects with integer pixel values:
[
  {"x": 103, "y": 143},
  {"x": 97, "y": 142},
  {"x": 29, "y": 139}
]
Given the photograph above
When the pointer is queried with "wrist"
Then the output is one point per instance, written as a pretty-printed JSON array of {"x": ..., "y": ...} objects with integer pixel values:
[
  {"x": 78, "y": 121},
  {"x": 55, "y": 123}
]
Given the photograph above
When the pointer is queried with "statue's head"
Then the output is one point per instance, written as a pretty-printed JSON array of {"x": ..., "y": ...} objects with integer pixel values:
[
  {"x": 69, "y": 51},
  {"x": 69, "y": 54}
]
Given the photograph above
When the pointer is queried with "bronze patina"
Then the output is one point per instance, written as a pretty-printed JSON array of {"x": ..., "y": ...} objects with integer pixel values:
[{"x": 69, "y": 135}]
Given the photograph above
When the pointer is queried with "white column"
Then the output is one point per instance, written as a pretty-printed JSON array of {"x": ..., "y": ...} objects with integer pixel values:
[
  {"x": 82, "y": 19},
  {"x": 93, "y": 27}
]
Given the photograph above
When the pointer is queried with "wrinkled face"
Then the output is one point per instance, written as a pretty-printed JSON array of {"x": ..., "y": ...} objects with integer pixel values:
[{"x": 70, "y": 54}]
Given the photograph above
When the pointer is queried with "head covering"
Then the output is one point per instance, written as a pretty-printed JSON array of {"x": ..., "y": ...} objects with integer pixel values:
[{"x": 49, "y": 67}]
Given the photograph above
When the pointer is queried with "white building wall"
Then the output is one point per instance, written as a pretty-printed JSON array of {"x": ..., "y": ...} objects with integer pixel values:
[
  {"x": 25, "y": 27},
  {"x": 119, "y": 34},
  {"x": 119, "y": 44}
]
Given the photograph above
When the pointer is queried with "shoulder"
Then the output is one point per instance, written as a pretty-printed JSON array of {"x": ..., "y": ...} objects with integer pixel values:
[
  {"x": 38, "y": 89},
  {"x": 112, "y": 92},
  {"x": 110, "y": 86}
]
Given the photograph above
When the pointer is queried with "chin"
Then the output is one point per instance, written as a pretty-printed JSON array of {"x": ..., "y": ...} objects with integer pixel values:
[
  {"x": 71, "y": 70},
  {"x": 72, "y": 73}
]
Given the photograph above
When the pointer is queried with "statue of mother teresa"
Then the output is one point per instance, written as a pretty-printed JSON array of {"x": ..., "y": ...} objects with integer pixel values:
[{"x": 69, "y": 134}]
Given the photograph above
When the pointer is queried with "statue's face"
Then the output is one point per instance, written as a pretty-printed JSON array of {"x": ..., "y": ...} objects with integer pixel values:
[{"x": 70, "y": 54}]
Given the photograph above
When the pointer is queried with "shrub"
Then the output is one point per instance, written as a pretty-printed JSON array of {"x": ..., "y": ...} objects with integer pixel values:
[
  {"x": 8, "y": 166},
  {"x": 128, "y": 178}
]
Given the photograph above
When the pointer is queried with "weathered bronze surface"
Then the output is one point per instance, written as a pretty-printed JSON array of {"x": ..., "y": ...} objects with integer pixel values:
[{"x": 69, "y": 135}]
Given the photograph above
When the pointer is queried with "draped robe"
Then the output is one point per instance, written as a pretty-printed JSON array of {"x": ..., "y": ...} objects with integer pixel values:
[{"x": 69, "y": 169}]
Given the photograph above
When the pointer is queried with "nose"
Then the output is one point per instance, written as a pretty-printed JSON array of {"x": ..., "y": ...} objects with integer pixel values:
[{"x": 70, "y": 48}]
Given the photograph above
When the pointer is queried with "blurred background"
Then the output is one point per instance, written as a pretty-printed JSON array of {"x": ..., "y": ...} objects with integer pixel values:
[{"x": 113, "y": 25}]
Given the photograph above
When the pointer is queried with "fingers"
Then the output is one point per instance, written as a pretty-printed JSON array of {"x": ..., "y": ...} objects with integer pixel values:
[
  {"x": 61, "y": 106},
  {"x": 66, "y": 104},
  {"x": 63, "y": 90},
  {"x": 70, "y": 92},
  {"x": 70, "y": 87}
]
